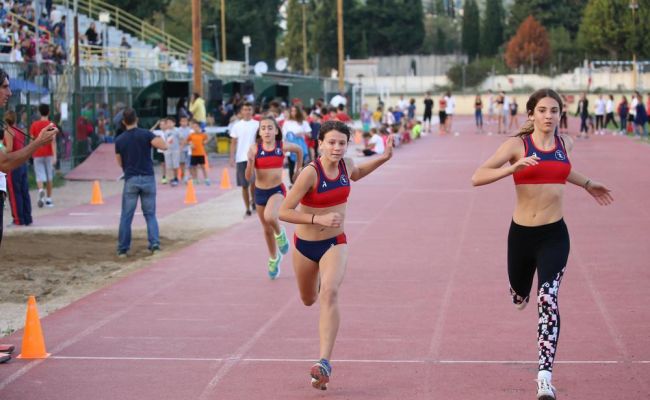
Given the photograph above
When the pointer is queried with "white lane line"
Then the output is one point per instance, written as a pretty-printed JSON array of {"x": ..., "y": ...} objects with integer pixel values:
[
  {"x": 243, "y": 349},
  {"x": 348, "y": 361}
]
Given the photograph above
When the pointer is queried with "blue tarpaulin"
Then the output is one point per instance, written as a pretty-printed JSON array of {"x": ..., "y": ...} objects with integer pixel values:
[{"x": 21, "y": 85}]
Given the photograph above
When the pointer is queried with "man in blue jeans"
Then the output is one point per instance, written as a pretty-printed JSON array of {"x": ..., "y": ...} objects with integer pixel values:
[{"x": 133, "y": 153}]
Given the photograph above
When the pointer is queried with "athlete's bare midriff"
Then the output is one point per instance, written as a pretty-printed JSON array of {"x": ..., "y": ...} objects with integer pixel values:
[
  {"x": 319, "y": 232},
  {"x": 267, "y": 178},
  {"x": 538, "y": 204}
]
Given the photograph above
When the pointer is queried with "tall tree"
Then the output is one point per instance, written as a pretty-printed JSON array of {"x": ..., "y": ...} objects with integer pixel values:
[
  {"x": 292, "y": 43},
  {"x": 141, "y": 8},
  {"x": 395, "y": 26},
  {"x": 471, "y": 29},
  {"x": 529, "y": 46},
  {"x": 609, "y": 29},
  {"x": 549, "y": 13},
  {"x": 492, "y": 33}
]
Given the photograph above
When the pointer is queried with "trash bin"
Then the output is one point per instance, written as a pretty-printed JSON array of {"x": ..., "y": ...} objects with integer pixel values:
[{"x": 223, "y": 144}]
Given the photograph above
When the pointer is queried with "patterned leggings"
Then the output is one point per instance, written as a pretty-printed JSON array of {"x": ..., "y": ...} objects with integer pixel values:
[{"x": 543, "y": 248}]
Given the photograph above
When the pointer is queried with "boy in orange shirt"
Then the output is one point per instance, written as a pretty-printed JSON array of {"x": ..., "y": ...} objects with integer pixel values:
[{"x": 197, "y": 140}]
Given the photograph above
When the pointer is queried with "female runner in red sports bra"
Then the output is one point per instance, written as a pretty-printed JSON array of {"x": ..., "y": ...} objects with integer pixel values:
[
  {"x": 266, "y": 157},
  {"x": 321, "y": 252},
  {"x": 538, "y": 237}
]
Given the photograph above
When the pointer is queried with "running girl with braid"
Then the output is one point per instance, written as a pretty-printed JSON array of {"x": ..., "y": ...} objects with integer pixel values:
[
  {"x": 266, "y": 157},
  {"x": 321, "y": 251},
  {"x": 538, "y": 160}
]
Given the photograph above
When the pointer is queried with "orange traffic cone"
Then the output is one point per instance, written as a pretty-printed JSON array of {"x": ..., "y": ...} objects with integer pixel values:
[
  {"x": 33, "y": 342},
  {"x": 225, "y": 179},
  {"x": 357, "y": 137},
  {"x": 96, "y": 198},
  {"x": 207, "y": 163},
  {"x": 190, "y": 193}
]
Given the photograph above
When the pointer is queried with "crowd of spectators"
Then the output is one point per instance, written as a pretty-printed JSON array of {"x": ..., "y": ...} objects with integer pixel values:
[{"x": 23, "y": 42}]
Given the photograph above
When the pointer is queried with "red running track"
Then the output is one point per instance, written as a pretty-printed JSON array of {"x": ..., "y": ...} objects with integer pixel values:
[{"x": 425, "y": 309}]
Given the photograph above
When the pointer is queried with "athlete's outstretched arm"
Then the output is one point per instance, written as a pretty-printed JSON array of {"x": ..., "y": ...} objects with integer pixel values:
[
  {"x": 361, "y": 170},
  {"x": 9, "y": 161},
  {"x": 492, "y": 170},
  {"x": 288, "y": 212},
  {"x": 248, "y": 174},
  {"x": 599, "y": 191},
  {"x": 294, "y": 148}
]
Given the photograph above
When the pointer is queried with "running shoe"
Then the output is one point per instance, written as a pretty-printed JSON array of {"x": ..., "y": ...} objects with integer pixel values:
[
  {"x": 282, "y": 241},
  {"x": 207, "y": 182},
  {"x": 41, "y": 198},
  {"x": 4, "y": 357},
  {"x": 49, "y": 203},
  {"x": 320, "y": 374},
  {"x": 274, "y": 267},
  {"x": 545, "y": 391},
  {"x": 174, "y": 182},
  {"x": 163, "y": 180},
  {"x": 518, "y": 301},
  {"x": 155, "y": 249},
  {"x": 122, "y": 254}
]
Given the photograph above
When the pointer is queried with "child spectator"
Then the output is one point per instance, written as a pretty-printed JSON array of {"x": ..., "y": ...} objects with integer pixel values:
[
  {"x": 375, "y": 144},
  {"x": 197, "y": 140},
  {"x": 173, "y": 153}
]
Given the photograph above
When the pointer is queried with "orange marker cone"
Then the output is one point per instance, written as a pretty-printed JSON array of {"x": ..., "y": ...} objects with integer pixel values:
[
  {"x": 225, "y": 179},
  {"x": 190, "y": 193},
  {"x": 357, "y": 137},
  {"x": 96, "y": 198},
  {"x": 33, "y": 342}
]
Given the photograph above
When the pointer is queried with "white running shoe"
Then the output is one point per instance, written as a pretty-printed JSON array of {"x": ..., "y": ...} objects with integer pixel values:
[
  {"x": 41, "y": 198},
  {"x": 545, "y": 391}
]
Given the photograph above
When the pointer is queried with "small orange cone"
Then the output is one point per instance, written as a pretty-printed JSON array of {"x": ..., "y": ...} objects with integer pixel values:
[
  {"x": 357, "y": 137},
  {"x": 225, "y": 179},
  {"x": 207, "y": 163},
  {"x": 190, "y": 193},
  {"x": 96, "y": 198},
  {"x": 33, "y": 342}
]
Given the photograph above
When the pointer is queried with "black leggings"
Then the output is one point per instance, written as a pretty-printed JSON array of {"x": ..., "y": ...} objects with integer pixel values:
[
  {"x": 610, "y": 118},
  {"x": 543, "y": 248},
  {"x": 599, "y": 121}
]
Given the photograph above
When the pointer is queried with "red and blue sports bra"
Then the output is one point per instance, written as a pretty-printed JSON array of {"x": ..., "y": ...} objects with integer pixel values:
[
  {"x": 554, "y": 165},
  {"x": 267, "y": 159},
  {"x": 328, "y": 192}
]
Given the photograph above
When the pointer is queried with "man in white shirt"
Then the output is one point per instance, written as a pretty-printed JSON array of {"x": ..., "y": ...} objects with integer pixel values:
[
  {"x": 403, "y": 104},
  {"x": 242, "y": 135}
]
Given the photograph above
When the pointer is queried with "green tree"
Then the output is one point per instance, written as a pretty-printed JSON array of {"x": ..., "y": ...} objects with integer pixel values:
[
  {"x": 395, "y": 26},
  {"x": 492, "y": 33},
  {"x": 142, "y": 9},
  {"x": 549, "y": 13},
  {"x": 470, "y": 29},
  {"x": 609, "y": 29},
  {"x": 292, "y": 41},
  {"x": 563, "y": 49}
]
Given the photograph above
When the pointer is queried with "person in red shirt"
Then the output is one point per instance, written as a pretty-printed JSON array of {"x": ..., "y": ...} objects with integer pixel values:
[{"x": 44, "y": 159}]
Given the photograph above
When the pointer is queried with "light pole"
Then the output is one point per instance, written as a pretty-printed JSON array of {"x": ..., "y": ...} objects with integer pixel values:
[
  {"x": 246, "y": 40},
  {"x": 339, "y": 13},
  {"x": 216, "y": 39},
  {"x": 304, "y": 36},
  {"x": 223, "y": 29},
  {"x": 196, "y": 45},
  {"x": 634, "y": 5}
]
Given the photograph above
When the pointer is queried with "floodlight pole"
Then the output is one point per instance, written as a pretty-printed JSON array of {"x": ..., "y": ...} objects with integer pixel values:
[
  {"x": 223, "y": 30},
  {"x": 339, "y": 12},
  {"x": 196, "y": 45}
]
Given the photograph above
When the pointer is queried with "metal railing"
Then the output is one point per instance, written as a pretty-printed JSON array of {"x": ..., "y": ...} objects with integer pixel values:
[
  {"x": 141, "y": 29},
  {"x": 100, "y": 56}
]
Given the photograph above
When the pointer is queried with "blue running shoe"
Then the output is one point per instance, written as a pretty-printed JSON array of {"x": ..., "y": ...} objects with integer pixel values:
[
  {"x": 320, "y": 374},
  {"x": 274, "y": 267},
  {"x": 282, "y": 241}
]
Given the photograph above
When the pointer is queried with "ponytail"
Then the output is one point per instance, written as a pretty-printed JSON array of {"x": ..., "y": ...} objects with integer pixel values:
[{"x": 526, "y": 129}]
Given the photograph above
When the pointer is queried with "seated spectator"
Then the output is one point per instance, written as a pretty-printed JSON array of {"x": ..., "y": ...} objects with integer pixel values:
[
  {"x": 375, "y": 144},
  {"x": 92, "y": 37}
]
